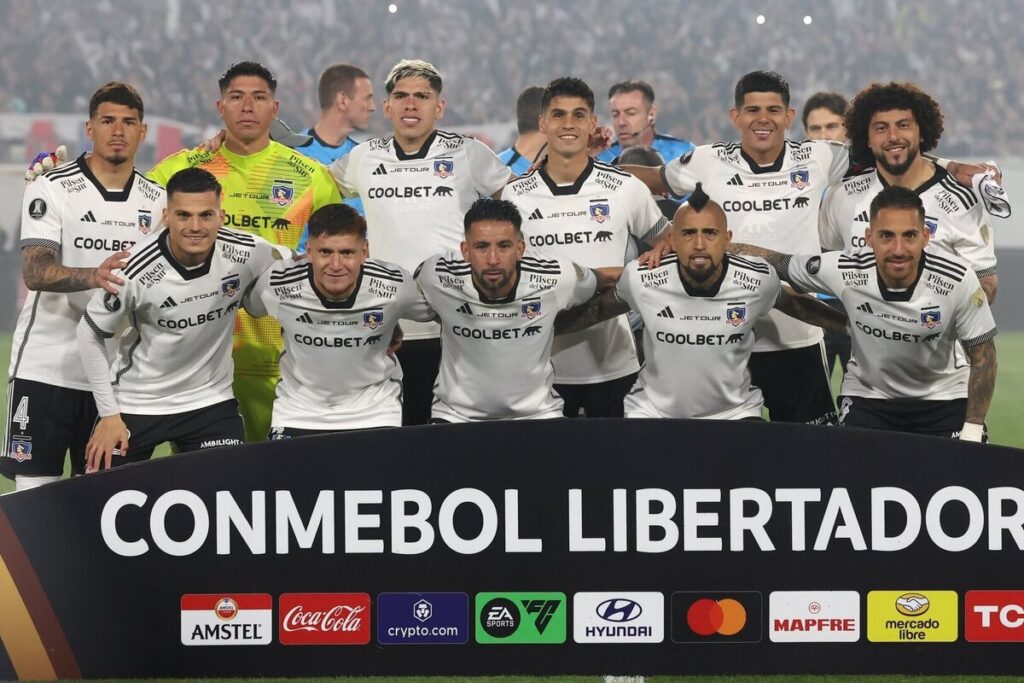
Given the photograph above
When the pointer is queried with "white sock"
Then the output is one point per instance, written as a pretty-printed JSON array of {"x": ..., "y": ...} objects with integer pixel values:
[{"x": 24, "y": 482}]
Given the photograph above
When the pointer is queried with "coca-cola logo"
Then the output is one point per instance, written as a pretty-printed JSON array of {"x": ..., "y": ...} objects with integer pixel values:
[
  {"x": 337, "y": 618},
  {"x": 324, "y": 619}
]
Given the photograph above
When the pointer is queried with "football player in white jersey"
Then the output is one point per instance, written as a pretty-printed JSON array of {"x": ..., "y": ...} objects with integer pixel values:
[
  {"x": 338, "y": 310},
  {"x": 78, "y": 221},
  {"x": 699, "y": 306},
  {"x": 586, "y": 211},
  {"x": 911, "y": 307},
  {"x": 497, "y": 309},
  {"x": 172, "y": 378},
  {"x": 416, "y": 185},
  {"x": 891, "y": 127}
]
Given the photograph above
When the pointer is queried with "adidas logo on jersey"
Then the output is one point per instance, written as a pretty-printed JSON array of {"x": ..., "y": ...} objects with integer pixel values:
[
  {"x": 169, "y": 303},
  {"x": 735, "y": 180},
  {"x": 305, "y": 318},
  {"x": 865, "y": 308},
  {"x": 665, "y": 313},
  {"x": 464, "y": 308},
  {"x": 380, "y": 170},
  {"x": 863, "y": 217},
  {"x": 89, "y": 218},
  {"x": 536, "y": 215}
]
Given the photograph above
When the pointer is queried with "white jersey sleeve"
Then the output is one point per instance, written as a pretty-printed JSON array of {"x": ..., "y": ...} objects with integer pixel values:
[
  {"x": 682, "y": 174},
  {"x": 646, "y": 220},
  {"x": 345, "y": 171},
  {"x": 106, "y": 312},
  {"x": 40, "y": 216},
  {"x": 830, "y": 231},
  {"x": 577, "y": 290},
  {"x": 835, "y": 159},
  {"x": 974, "y": 321},
  {"x": 258, "y": 300},
  {"x": 815, "y": 273},
  {"x": 488, "y": 172}
]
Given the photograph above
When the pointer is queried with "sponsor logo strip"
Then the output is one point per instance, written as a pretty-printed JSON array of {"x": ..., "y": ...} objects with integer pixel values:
[
  {"x": 911, "y": 616},
  {"x": 520, "y": 618},
  {"x": 422, "y": 618},
  {"x": 618, "y": 617},
  {"x": 814, "y": 616}
]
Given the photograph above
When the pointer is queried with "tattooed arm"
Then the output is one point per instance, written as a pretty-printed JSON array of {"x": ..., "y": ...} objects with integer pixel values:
[
  {"x": 811, "y": 311},
  {"x": 602, "y": 306},
  {"x": 42, "y": 270},
  {"x": 982, "y": 381},
  {"x": 780, "y": 262},
  {"x": 990, "y": 283}
]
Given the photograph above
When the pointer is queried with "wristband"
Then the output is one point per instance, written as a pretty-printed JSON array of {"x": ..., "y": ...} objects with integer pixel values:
[{"x": 972, "y": 432}]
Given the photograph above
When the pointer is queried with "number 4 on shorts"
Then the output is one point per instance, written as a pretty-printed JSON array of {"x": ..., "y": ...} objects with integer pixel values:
[{"x": 21, "y": 414}]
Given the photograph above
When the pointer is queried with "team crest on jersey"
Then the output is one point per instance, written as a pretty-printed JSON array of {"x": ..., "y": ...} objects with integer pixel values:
[
  {"x": 37, "y": 209},
  {"x": 599, "y": 210},
  {"x": 373, "y": 319},
  {"x": 282, "y": 192},
  {"x": 736, "y": 315},
  {"x": 230, "y": 285},
  {"x": 800, "y": 178},
  {"x": 145, "y": 221},
  {"x": 444, "y": 168},
  {"x": 530, "y": 309},
  {"x": 111, "y": 302},
  {"x": 931, "y": 318},
  {"x": 932, "y": 224},
  {"x": 21, "y": 449}
]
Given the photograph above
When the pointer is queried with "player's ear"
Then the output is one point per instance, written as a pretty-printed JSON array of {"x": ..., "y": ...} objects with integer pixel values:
[
  {"x": 440, "y": 108},
  {"x": 520, "y": 247},
  {"x": 790, "y": 116},
  {"x": 88, "y": 129},
  {"x": 366, "y": 248},
  {"x": 277, "y": 105},
  {"x": 464, "y": 247},
  {"x": 143, "y": 129},
  {"x": 734, "y": 114}
]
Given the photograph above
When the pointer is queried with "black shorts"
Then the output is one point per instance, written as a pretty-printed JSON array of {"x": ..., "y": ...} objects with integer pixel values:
[
  {"x": 596, "y": 400},
  {"x": 209, "y": 427},
  {"x": 43, "y": 423},
  {"x": 795, "y": 384},
  {"x": 917, "y": 416},
  {"x": 420, "y": 361}
]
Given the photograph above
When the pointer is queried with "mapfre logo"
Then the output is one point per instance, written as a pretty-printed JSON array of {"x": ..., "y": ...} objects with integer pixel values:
[
  {"x": 814, "y": 616},
  {"x": 324, "y": 619},
  {"x": 994, "y": 616}
]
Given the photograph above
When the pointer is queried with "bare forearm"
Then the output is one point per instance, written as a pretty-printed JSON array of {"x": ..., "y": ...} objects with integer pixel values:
[
  {"x": 42, "y": 271},
  {"x": 982, "y": 381},
  {"x": 780, "y": 262},
  {"x": 811, "y": 311},
  {"x": 990, "y": 284},
  {"x": 601, "y": 307}
]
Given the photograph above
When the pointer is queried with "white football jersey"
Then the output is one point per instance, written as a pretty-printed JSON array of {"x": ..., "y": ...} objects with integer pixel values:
[
  {"x": 904, "y": 342},
  {"x": 589, "y": 223},
  {"x": 176, "y": 356},
  {"x": 415, "y": 203},
  {"x": 697, "y": 343},
  {"x": 335, "y": 371},
  {"x": 67, "y": 209},
  {"x": 774, "y": 206},
  {"x": 495, "y": 354},
  {"x": 957, "y": 221}
]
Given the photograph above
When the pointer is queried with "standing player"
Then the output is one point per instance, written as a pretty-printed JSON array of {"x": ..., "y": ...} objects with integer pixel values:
[
  {"x": 823, "y": 117},
  {"x": 78, "y": 222},
  {"x": 416, "y": 186},
  {"x": 891, "y": 127},
  {"x": 585, "y": 210},
  {"x": 699, "y": 307},
  {"x": 634, "y": 116},
  {"x": 270, "y": 191},
  {"x": 530, "y": 143},
  {"x": 497, "y": 309},
  {"x": 338, "y": 310},
  {"x": 910, "y": 307},
  {"x": 172, "y": 377}
]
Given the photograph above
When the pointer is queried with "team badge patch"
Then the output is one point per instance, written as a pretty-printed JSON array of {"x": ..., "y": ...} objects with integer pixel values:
[
  {"x": 111, "y": 302},
  {"x": 800, "y": 178},
  {"x": 444, "y": 168},
  {"x": 931, "y": 318},
  {"x": 145, "y": 221},
  {"x": 530, "y": 309},
  {"x": 21, "y": 449},
  {"x": 373, "y": 319},
  {"x": 813, "y": 265},
  {"x": 37, "y": 209},
  {"x": 282, "y": 192},
  {"x": 736, "y": 315},
  {"x": 978, "y": 298},
  {"x": 230, "y": 285},
  {"x": 932, "y": 224},
  {"x": 599, "y": 210},
  {"x": 685, "y": 159}
]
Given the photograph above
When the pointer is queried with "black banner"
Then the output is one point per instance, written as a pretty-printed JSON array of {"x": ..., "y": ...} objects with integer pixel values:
[{"x": 548, "y": 547}]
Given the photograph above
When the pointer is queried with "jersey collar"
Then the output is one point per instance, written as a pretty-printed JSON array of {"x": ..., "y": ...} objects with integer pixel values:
[
  {"x": 908, "y": 293},
  {"x": 704, "y": 293},
  {"x": 421, "y": 153},
  {"x": 567, "y": 189},
  {"x": 507, "y": 299},
  {"x": 774, "y": 167},
  {"x": 185, "y": 273},
  {"x": 108, "y": 195},
  {"x": 936, "y": 178},
  {"x": 344, "y": 304}
]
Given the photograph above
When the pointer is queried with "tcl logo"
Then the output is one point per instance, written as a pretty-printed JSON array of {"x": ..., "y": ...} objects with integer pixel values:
[
  {"x": 324, "y": 619},
  {"x": 994, "y": 616}
]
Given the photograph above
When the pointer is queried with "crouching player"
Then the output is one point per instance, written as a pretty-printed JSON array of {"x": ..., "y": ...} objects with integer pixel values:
[
  {"x": 171, "y": 380},
  {"x": 338, "y": 310}
]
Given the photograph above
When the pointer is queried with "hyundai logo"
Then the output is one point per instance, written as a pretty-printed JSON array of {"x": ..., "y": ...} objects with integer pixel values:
[{"x": 619, "y": 609}]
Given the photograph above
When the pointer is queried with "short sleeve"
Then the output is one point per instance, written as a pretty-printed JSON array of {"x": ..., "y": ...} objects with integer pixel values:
[
  {"x": 684, "y": 172},
  {"x": 836, "y": 159},
  {"x": 974, "y": 322},
  {"x": 814, "y": 273},
  {"x": 581, "y": 283},
  {"x": 40, "y": 216},
  {"x": 830, "y": 233},
  {"x": 646, "y": 220},
  {"x": 488, "y": 173},
  {"x": 257, "y": 301},
  {"x": 345, "y": 170},
  {"x": 624, "y": 287},
  {"x": 106, "y": 312}
]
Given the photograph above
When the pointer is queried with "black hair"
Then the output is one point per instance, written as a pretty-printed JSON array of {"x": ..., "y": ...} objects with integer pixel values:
[
  {"x": 336, "y": 219},
  {"x": 528, "y": 108},
  {"x": 641, "y": 155},
  {"x": 116, "y": 93},
  {"x": 761, "y": 81},
  {"x": 633, "y": 85},
  {"x": 832, "y": 101},
  {"x": 192, "y": 181},
  {"x": 878, "y": 97},
  {"x": 895, "y": 197},
  {"x": 698, "y": 198},
  {"x": 488, "y": 209},
  {"x": 567, "y": 87},
  {"x": 246, "y": 69}
]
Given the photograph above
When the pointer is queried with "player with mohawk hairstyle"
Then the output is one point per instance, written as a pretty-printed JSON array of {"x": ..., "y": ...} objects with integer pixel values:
[{"x": 699, "y": 306}]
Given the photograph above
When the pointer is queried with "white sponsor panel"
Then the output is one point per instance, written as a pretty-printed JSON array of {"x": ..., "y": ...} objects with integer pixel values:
[
  {"x": 618, "y": 617},
  {"x": 814, "y": 616},
  {"x": 226, "y": 619}
]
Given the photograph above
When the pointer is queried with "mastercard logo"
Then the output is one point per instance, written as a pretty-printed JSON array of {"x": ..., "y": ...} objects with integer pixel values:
[{"x": 725, "y": 617}]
